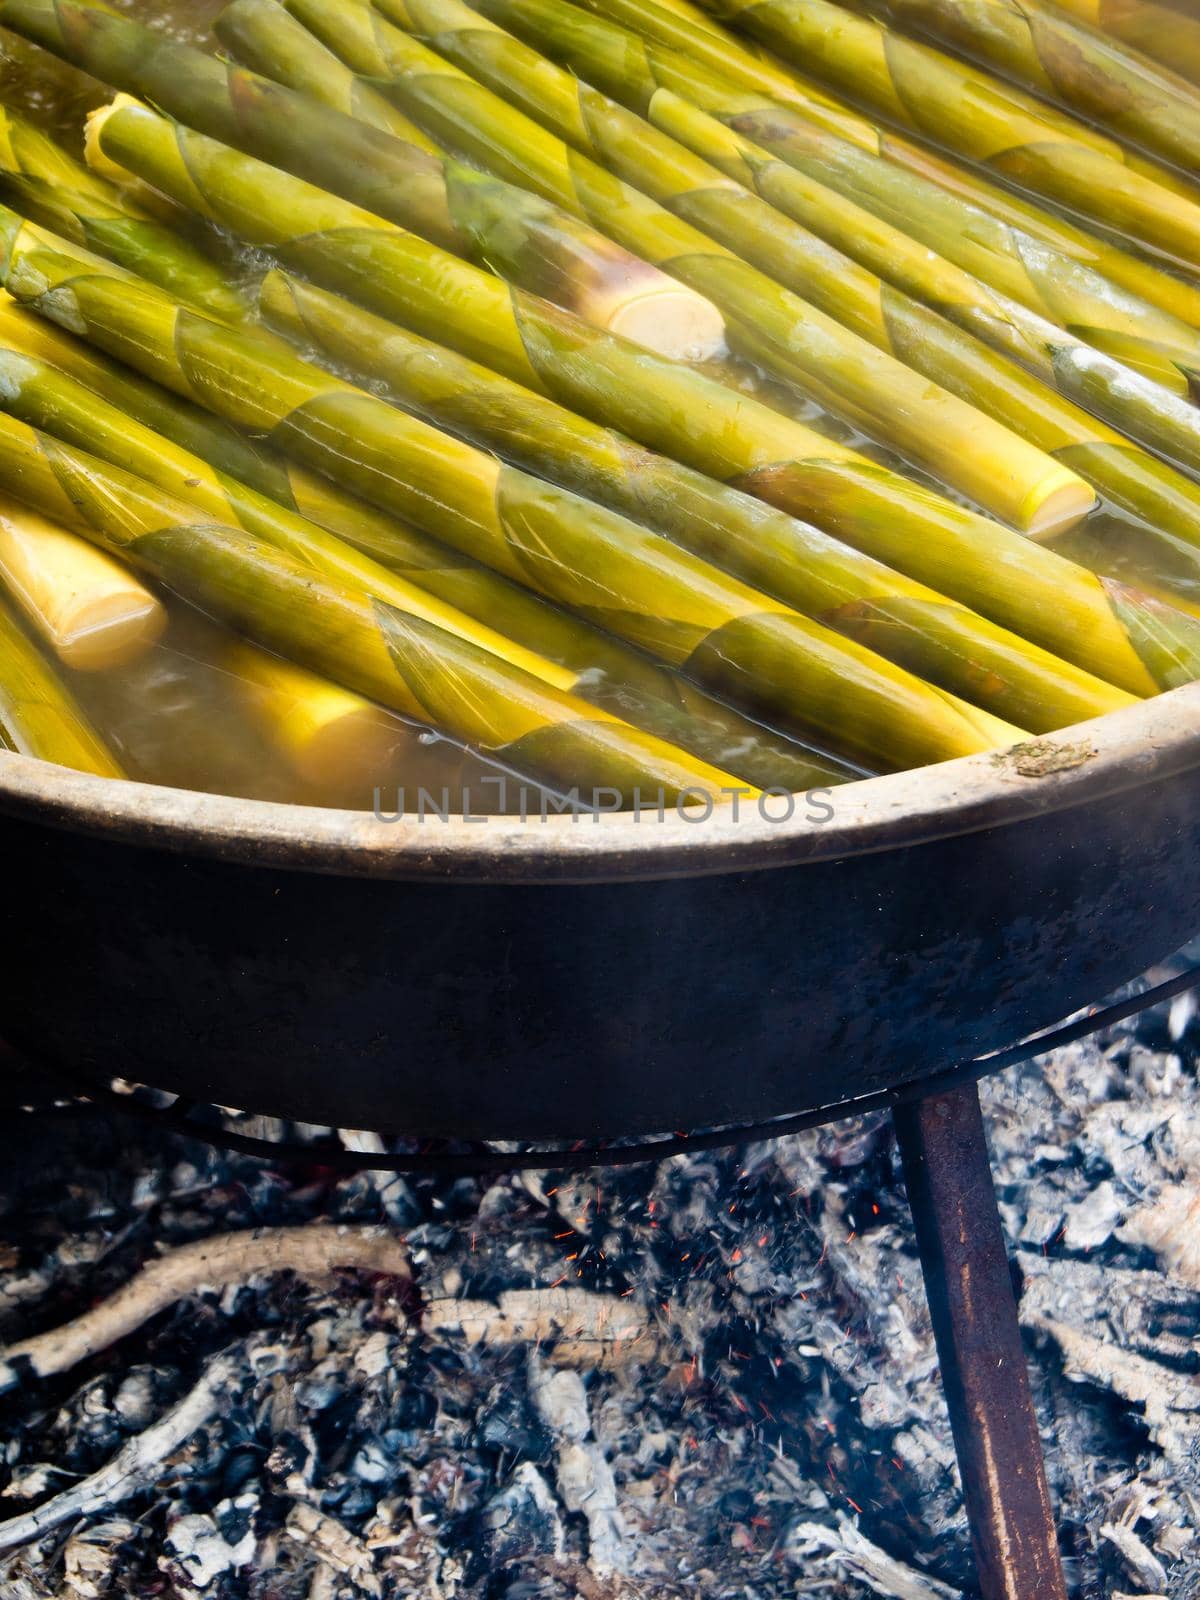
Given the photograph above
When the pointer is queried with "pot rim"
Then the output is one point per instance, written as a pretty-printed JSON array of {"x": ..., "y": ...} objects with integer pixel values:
[{"x": 1124, "y": 750}]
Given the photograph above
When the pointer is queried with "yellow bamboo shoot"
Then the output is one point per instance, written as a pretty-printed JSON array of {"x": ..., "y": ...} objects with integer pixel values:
[{"x": 91, "y": 611}]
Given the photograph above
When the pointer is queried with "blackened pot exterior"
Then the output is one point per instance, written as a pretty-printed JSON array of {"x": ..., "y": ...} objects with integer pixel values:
[{"x": 572, "y": 992}]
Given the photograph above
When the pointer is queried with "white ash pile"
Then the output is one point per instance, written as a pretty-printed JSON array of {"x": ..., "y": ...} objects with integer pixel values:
[{"x": 714, "y": 1377}]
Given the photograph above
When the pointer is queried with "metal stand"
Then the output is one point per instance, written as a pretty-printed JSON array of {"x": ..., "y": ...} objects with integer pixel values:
[{"x": 967, "y": 1280}]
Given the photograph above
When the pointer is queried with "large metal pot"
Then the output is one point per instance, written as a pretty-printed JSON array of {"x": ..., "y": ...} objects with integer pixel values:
[{"x": 593, "y": 977}]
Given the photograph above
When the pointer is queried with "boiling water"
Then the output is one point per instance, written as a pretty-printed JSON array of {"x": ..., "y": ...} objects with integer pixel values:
[{"x": 182, "y": 715}]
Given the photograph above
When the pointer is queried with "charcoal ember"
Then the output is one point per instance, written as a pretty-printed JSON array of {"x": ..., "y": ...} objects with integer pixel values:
[
  {"x": 344, "y": 1562},
  {"x": 265, "y": 1196},
  {"x": 843, "y": 1549},
  {"x": 242, "y": 1466},
  {"x": 458, "y": 1198},
  {"x": 320, "y": 1390},
  {"x": 235, "y": 1517},
  {"x": 88, "y": 1427},
  {"x": 413, "y": 1408},
  {"x": 378, "y": 1353},
  {"x": 884, "y": 1405},
  {"x": 1040, "y": 1226},
  {"x": 400, "y": 1204},
  {"x": 33, "y": 1481},
  {"x": 583, "y": 1472},
  {"x": 520, "y": 1522},
  {"x": 337, "y": 1427},
  {"x": 19, "y": 1288},
  {"x": 290, "y": 1458},
  {"x": 146, "y": 1191},
  {"x": 430, "y": 1236},
  {"x": 1157, "y": 1072},
  {"x": 358, "y": 1199},
  {"x": 1090, "y": 1222},
  {"x": 82, "y": 1249},
  {"x": 737, "y": 1505},
  {"x": 187, "y": 1177},
  {"x": 374, "y": 1463},
  {"x": 507, "y": 1424},
  {"x": 353, "y": 1500},
  {"x": 855, "y": 1141}
]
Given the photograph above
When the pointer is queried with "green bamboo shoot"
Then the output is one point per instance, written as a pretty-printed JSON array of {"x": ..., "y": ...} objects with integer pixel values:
[
  {"x": 54, "y": 402},
  {"x": 981, "y": 119},
  {"x": 668, "y": 407},
  {"x": 911, "y": 625},
  {"x": 38, "y": 714},
  {"x": 399, "y": 658},
  {"x": 1032, "y": 274},
  {"x": 1060, "y": 58},
  {"x": 688, "y": 219},
  {"x": 316, "y": 71},
  {"x": 487, "y": 221},
  {"x": 682, "y": 28},
  {"x": 596, "y": 666},
  {"x": 845, "y": 288},
  {"x": 216, "y": 467},
  {"x": 1166, "y": 34},
  {"x": 738, "y": 642},
  {"x": 47, "y": 184}
]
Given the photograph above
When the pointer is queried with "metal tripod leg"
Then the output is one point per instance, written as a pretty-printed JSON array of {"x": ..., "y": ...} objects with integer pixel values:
[{"x": 979, "y": 1344}]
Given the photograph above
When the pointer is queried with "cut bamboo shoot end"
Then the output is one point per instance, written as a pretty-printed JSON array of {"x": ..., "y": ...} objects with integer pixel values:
[
  {"x": 669, "y": 319},
  {"x": 358, "y": 747},
  {"x": 323, "y": 731},
  {"x": 103, "y": 165},
  {"x": 1052, "y": 509},
  {"x": 90, "y": 610}
]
